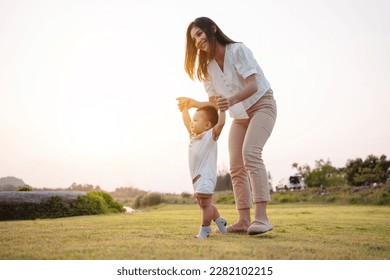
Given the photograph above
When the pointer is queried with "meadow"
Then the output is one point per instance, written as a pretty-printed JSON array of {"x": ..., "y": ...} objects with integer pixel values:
[{"x": 166, "y": 232}]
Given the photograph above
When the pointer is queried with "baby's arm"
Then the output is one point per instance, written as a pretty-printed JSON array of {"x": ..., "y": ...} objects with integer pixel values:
[
  {"x": 186, "y": 119},
  {"x": 218, "y": 127},
  {"x": 184, "y": 104}
]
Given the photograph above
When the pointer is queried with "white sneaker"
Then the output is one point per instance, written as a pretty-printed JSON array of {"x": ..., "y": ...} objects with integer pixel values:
[
  {"x": 221, "y": 223},
  {"x": 204, "y": 232}
]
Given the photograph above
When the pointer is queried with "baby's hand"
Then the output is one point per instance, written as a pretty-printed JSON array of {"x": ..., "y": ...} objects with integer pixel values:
[
  {"x": 183, "y": 103},
  {"x": 222, "y": 103}
]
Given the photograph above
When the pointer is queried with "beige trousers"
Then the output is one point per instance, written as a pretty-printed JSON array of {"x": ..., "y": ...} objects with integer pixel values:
[{"x": 247, "y": 138}]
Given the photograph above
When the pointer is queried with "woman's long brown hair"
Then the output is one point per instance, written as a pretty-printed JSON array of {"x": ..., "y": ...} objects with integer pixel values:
[{"x": 196, "y": 61}]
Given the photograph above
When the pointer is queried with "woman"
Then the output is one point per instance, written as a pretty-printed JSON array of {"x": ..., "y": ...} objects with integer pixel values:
[{"x": 229, "y": 71}]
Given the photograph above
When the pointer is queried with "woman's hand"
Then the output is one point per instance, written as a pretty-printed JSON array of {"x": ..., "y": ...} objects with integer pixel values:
[
  {"x": 184, "y": 103},
  {"x": 223, "y": 103}
]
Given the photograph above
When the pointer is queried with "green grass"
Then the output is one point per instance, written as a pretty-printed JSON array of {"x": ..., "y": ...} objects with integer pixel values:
[{"x": 301, "y": 231}]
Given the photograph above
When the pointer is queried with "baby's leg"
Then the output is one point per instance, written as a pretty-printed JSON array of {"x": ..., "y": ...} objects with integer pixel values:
[
  {"x": 208, "y": 209},
  {"x": 209, "y": 213}
]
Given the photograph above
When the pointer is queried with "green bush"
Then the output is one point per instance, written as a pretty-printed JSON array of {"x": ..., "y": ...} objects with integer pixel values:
[
  {"x": 93, "y": 203},
  {"x": 148, "y": 200},
  {"x": 138, "y": 202},
  {"x": 103, "y": 202},
  {"x": 25, "y": 188},
  {"x": 288, "y": 197},
  {"x": 342, "y": 194},
  {"x": 226, "y": 199},
  {"x": 384, "y": 198},
  {"x": 153, "y": 199},
  {"x": 54, "y": 207},
  {"x": 185, "y": 195},
  {"x": 90, "y": 204}
]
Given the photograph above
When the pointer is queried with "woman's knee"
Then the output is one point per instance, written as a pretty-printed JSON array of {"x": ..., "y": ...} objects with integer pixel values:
[{"x": 253, "y": 157}]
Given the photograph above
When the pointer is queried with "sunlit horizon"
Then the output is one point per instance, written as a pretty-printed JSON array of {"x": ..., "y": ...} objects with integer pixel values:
[{"x": 88, "y": 89}]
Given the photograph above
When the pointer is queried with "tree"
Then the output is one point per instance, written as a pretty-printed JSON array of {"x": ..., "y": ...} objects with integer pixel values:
[
  {"x": 304, "y": 170},
  {"x": 270, "y": 182},
  {"x": 370, "y": 171},
  {"x": 85, "y": 187},
  {"x": 224, "y": 181},
  {"x": 323, "y": 175}
]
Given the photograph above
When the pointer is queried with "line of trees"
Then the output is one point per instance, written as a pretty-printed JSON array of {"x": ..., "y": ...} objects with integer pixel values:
[
  {"x": 84, "y": 187},
  {"x": 358, "y": 172}
]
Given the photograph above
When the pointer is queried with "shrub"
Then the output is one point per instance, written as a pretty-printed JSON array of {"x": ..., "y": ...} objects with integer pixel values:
[
  {"x": 106, "y": 202},
  {"x": 138, "y": 202},
  {"x": 94, "y": 202},
  {"x": 342, "y": 194},
  {"x": 153, "y": 199},
  {"x": 91, "y": 204},
  {"x": 185, "y": 195},
  {"x": 54, "y": 207},
  {"x": 226, "y": 199},
  {"x": 150, "y": 199},
  {"x": 288, "y": 197},
  {"x": 25, "y": 188}
]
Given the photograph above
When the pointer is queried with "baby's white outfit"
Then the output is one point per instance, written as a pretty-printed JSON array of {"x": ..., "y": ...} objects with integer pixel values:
[{"x": 202, "y": 157}]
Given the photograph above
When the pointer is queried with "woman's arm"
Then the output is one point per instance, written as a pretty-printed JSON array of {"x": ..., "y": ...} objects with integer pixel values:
[{"x": 247, "y": 91}]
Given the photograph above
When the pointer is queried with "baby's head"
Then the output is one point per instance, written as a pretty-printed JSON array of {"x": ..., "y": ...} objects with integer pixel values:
[{"x": 205, "y": 117}]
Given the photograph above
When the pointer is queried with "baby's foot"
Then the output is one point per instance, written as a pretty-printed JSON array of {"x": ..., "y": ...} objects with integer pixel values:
[
  {"x": 221, "y": 223},
  {"x": 204, "y": 232}
]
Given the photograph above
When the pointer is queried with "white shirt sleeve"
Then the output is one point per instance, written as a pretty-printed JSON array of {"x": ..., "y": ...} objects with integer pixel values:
[{"x": 244, "y": 61}]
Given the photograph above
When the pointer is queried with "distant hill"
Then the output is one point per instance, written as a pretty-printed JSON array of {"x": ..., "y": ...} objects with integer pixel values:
[{"x": 10, "y": 183}]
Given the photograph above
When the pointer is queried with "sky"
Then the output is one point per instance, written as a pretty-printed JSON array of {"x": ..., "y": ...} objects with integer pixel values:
[{"x": 88, "y": 87}]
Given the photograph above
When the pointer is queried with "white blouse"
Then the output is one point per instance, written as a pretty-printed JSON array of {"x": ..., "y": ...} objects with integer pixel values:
[{"x": 239, "y": 63}]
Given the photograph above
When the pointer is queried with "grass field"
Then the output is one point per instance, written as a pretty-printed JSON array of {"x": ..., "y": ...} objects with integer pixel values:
[{"x": 301, "y": 232}]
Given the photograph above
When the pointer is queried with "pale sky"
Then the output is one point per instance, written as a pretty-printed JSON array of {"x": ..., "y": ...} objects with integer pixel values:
[{"x": 88, "y": 87}]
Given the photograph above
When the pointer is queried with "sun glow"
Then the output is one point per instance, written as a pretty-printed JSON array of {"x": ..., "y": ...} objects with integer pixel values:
[
  {"x": 93, "y": 133},
  {"x": 88, "y": 88}
]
